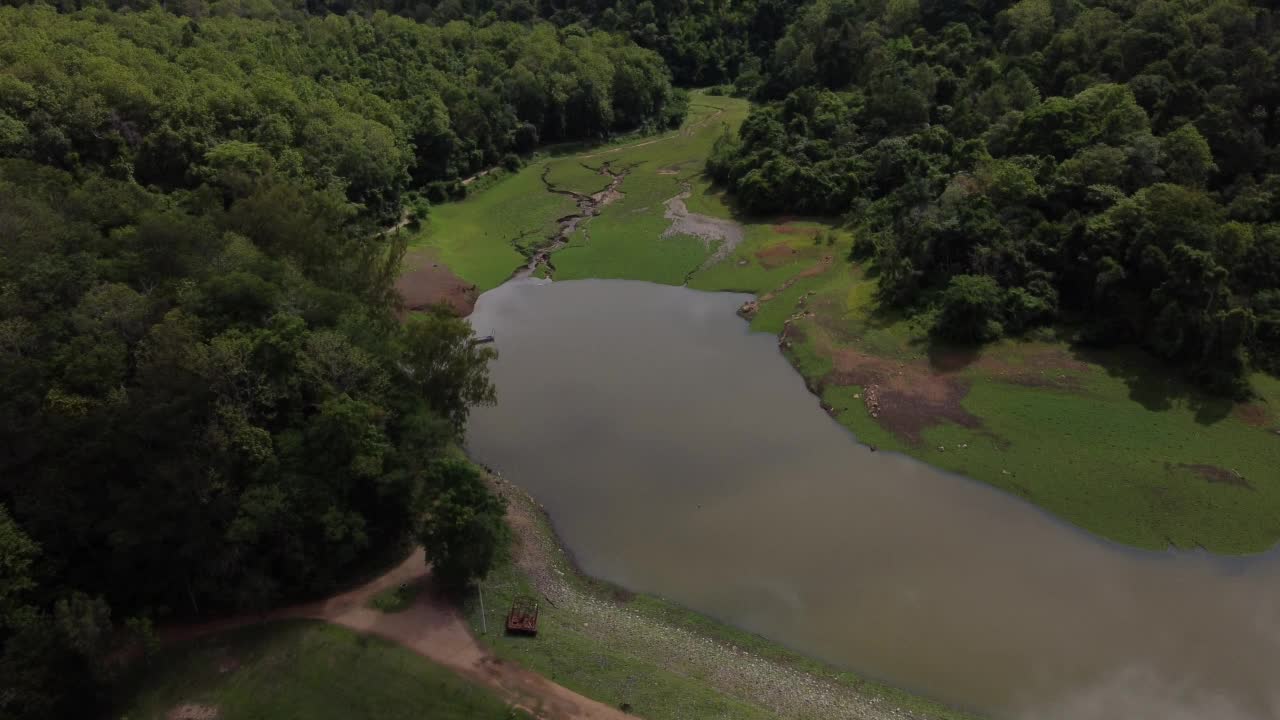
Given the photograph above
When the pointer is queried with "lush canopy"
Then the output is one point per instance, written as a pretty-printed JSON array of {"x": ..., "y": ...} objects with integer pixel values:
[
  {"x": 207, "y": 400},
  {"x": 1113, "y": 164}
]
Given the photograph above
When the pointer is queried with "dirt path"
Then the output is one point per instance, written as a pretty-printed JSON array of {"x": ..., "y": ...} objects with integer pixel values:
[{"x": 434, "y": 630}]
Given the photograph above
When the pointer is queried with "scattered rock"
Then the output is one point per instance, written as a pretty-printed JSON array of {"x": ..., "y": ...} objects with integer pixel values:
[{"x": 872, "y": 400}]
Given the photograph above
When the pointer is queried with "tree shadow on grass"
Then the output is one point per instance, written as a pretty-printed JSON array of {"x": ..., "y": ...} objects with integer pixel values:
[
  {"x": 946, "y": 357},
  {"x": 1155, "y": 385}
]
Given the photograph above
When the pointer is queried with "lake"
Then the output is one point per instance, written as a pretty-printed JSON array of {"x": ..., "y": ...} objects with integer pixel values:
[{"x": 679, "y": 454}]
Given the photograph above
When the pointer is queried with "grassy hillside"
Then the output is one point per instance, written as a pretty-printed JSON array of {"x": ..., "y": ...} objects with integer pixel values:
[{"x": 304, "y": 670}]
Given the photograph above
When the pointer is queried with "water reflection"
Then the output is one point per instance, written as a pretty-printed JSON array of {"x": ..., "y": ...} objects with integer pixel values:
[{"x": 679, "y": 454}]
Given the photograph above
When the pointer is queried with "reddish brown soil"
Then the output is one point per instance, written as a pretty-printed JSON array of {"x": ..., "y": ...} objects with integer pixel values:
[
  {"x": 428, "y": 282},
  {"x": 776, "y": 256},
  {"x": 789, "y": 229},
  {"x": 1040, "y": 367},
  {"x": 1254, "y": 414},
  {"x": 1215, "y": 474},
  {"x": 816, "y": 270},
  {"x": 911, "y": 396}
]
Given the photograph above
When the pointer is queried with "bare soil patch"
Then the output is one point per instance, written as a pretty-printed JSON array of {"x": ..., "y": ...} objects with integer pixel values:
[
  {"x": 1041, "y": 368},
  {"x": 608, "y": 196},
  {"x": 815, "y": 270},
  {"x": 909, "y": 396},
  {"x": 428, "y": 282},
  {"x": 775, "y": 256},
  {"x": 789, "y": 229},
  {"x": 673, "y": 169},
  {"x": 1215, "y": 474},
  {"x": 1045, "y": 367},
  {"x": 1254, "y": 414}
]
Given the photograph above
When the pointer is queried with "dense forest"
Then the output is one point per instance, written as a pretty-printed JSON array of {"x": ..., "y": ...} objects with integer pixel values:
[
  {"x": 383, "y": 104},
  {"x": 1110, "y": 163},
  {"x": 704, "y": 42},
  {"x": 208, "y": 401}
]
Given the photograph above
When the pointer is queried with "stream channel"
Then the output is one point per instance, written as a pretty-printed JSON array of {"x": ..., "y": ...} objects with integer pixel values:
[{"x": 679, "y": 454}]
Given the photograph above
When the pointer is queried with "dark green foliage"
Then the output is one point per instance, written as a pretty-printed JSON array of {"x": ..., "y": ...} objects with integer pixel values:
[
  {"x": 198, "y": 420},
  {"x": 445, "y": 367},
  {"x": 207, "y": 403},
  {"x": 1115, "y": 165},
  {"x": 969, "y": 309},
  {"x": 703, "y": 42},
  {"x": 463, "y": 528},
  {"x": 370, "y": 106}
]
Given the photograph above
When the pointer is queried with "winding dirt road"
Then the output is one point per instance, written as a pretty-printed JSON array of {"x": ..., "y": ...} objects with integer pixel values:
[{"x": 434, "y": 630}]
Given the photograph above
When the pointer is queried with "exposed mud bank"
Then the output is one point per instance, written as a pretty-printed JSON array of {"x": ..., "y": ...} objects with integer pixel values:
[{"x": 724, "y": 235}]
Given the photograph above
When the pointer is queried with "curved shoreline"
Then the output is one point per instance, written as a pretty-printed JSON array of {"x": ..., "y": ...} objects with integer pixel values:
[{"x": 683, "y": 642}]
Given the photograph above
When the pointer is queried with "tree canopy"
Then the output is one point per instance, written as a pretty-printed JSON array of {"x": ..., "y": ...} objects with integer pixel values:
[
  {"x": 1115, "y": 165},
  {"x": 207, "y": 400},
  {"x": 376, "y": 106}
]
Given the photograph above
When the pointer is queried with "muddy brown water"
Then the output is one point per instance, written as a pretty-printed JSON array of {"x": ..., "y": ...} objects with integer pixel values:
[{"x": 679, "y": 454}]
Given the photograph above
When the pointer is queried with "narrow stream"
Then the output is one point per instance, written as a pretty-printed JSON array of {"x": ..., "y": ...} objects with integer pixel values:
[{"x": 679, "y": 454}]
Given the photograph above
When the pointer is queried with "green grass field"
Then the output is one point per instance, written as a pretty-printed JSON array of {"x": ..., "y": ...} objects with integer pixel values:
[
  {"x": 1120, "y": 453},
  {"x": 306, "y": 671},
  {"x": 626, "y": 238},
  {"x": 478, "y": 237}
]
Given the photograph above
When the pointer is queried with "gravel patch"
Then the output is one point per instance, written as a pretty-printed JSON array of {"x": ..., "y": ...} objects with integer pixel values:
[{"x": 704, "y": 227}]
